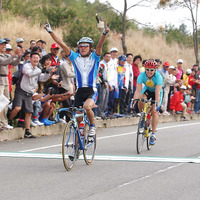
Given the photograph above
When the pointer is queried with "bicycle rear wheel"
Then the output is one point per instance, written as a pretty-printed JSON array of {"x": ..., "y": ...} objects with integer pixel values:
[
  {"x": 140, "y": 133},
  {"x": 89, "y": 145},
  {"x": 68, "y": 146}
]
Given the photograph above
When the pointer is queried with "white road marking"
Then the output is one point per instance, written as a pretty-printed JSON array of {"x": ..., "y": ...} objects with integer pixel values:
[
  {"x": 104, "y": 157},
  {"x": 112, "y": 136}
]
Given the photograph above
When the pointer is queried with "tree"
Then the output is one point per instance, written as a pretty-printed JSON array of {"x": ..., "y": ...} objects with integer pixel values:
[
  {"x": 123, "y": 15},
  {"x": 192, "y": 6}
]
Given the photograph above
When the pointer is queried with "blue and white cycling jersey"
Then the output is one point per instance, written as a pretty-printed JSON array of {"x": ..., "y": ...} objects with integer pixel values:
[
  {"x": 85, "y": 69},
  {"x": 150, "y": 84}
]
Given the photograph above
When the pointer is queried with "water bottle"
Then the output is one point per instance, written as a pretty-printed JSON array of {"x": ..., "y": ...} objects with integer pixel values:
[
  {"x": 148, "y": 119},
  {"x": 81, "y": 128}
]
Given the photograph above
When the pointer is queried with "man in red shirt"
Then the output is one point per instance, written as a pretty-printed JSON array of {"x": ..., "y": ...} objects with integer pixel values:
[{"x": 177, "y": 102}]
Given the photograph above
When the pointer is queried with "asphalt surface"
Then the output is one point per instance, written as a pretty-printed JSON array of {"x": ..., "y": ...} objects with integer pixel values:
[{"x": 111, "y": 175}]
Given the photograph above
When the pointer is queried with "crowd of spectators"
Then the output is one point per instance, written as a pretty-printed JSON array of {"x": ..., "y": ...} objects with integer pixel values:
[{"x": 43, "y": 81}]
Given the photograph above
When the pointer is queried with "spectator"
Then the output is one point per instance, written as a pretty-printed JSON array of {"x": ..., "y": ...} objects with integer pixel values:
[
  {"x": 121, "y": 69},
  {"x": 164, "y": 72},
  {"x": 136, "y": 72},
  {"x": 9, "y": 51},
  {"x": 7, "y": 40},
  {"x": 177, "y": 102},
  {"x": 100, "y": 23},
  {"x": 104, "y": 81},
  {"x": 20, "y": 43},
  {"x": 170, "y": 79},
  {"x": 38, "y": 50},
  {"x": 192, "y": 81},
  {"x": 129, "y": 79},
  {"x": 56, "y": 83},
  {"x": 113, "y": 85},
  {"x": 32, "y": 44},
  {"x": 159, "y": 62},
  {"x": 197, "y": 101},
  {"x": 186, "y": 78},
  {"x": 67, "y": 75},
  {"x": 180, "y": 69},
  {"x": 5, "y": 60},
  {"x": 25, "y": 89}
]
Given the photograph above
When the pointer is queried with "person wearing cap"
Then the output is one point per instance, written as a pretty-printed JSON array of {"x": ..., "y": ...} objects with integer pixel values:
[
  {"x": 170, "y": 80},
  {"x": 5, "y": 60},
  {"x": 55, "y": 62},
  {"x": 86, "y": 63},
  {"x": 177, "y": 102},
  {"x": 136, "y": 71},
  {"x": 122, "y": 86},
  {"x": 7, "y": 40},
  {"x": 180, "y": 69},
  {"x": 20, "y": 42},
  {"x": 186, "y": 78},
  {"x": 100, "y": 23},
  {"x": 32, "y": 44}
]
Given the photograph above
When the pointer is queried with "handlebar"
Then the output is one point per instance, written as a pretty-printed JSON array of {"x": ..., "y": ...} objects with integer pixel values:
[
  {"x": 144, "y": 100},
  {"x": 71, "y": 110}
]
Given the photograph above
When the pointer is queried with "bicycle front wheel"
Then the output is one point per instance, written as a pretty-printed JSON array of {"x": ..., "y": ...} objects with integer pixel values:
[
  {"x": 148, "y": 139},
  {"x": 68, "y": 146},
  {"x": 140, "y": 133},
  {"x": 89, "y": 146}
]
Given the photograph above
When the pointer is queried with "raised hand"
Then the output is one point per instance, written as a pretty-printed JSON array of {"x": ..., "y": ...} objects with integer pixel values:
[
  {"x": 47, "y": 26},
  {"x": 106, "y": 29}
]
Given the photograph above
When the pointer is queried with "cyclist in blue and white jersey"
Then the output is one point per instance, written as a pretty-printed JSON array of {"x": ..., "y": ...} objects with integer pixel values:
[
  {"x": 153, "y": 82},
  {"x": 86, "y": 63}
]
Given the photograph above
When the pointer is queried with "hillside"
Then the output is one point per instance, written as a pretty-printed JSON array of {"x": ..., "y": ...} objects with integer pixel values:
[{"x": 137, "y": 41}]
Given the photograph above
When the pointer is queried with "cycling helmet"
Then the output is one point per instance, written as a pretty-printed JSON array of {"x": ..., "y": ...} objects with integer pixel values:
[
  {"x": 85, "y": 40},
  {"x": 188, "y": 71},
  {"x": 150, "y": 64},
  {"x": 122, "y": 58}
]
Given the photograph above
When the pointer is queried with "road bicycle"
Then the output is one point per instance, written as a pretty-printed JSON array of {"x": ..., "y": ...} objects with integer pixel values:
[
  {"x": 76, "y": 142},
  {"x": 144, "y": 126}
]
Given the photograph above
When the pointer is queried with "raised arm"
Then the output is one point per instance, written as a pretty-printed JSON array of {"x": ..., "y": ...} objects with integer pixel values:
[
  {"x": 102, "y": 40},
  {"x": 65, "y": 48}
]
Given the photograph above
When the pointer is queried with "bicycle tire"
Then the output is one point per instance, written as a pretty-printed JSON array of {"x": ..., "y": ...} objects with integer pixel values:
[
  {"x": 89, "y": 145},
  {"x": 68, "y": 146},
  {"x": 140, "y": 134}
]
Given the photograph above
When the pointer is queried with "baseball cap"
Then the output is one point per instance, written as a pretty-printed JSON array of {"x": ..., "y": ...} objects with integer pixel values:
[
  {"x": 7, "y": 39},
  {"x": 55, "y": 46},
  {"x": 114, "y": 49},
  {"x": 172, "y": 67},
  {"x": 183, "y": 87},
  {"x": 19, "y": 40},
  {"x": 2, "y": 41},
  {"x": 8, "y": 47},
  {"x": 179, "y": 61},
  {"x": 166, "y": 64}
]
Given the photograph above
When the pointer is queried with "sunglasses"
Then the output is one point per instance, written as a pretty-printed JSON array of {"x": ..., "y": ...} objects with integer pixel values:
[
  {"x": 56, "y": 49},
  {"x": 150, "y": 70},
  {"x": 84, "y": 45}
]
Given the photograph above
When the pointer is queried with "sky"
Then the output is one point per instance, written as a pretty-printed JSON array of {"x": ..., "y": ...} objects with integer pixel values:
[{"x": 156, "y": 17}]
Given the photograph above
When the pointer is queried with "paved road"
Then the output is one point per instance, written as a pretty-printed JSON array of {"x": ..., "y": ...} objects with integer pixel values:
[{"x": 171, "y": 177}]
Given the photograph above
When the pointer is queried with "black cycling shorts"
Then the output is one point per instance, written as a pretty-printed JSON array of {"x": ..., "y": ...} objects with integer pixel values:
[
  {"x": 150, "y": 95},
  {"x": 83, "y": 94}
]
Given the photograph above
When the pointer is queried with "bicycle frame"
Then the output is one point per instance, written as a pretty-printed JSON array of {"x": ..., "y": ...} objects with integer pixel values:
[{"x": 75, "y": 123}]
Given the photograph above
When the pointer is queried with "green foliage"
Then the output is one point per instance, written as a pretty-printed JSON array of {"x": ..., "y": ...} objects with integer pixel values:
[
  {"x": 82, "y": 28},
  {"x": 178, "y": 35}
]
